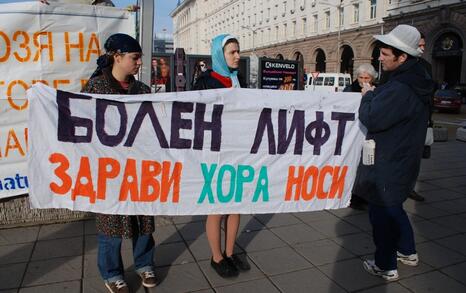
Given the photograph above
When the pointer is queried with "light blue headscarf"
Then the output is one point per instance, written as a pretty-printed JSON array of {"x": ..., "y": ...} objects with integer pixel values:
[{"x": 219, "y": 63}]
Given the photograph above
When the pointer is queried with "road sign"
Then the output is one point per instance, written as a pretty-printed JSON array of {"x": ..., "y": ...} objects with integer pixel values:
[{"x": 315, "y": 74}]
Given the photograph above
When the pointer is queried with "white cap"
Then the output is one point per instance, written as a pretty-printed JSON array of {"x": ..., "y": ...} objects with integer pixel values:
[{"x": 403, "y": 37}]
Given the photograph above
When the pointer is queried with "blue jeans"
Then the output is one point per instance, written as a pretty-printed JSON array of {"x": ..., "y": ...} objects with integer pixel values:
[
  {"x": 392, "y": 232},
  {"x": 109, "y": 256}
]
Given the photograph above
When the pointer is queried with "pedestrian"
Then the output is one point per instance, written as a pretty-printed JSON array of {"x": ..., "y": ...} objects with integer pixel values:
[
  {"x": 426, "y": 151},
  {"x": 365, "y": 74},
  {"x": 115, "y": 75},
  {"x": 395, "y": 115},
  {"x": 225, "y": 63}
]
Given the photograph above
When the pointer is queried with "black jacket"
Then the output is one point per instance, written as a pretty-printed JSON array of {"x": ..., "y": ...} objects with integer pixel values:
[
  {"x": 353, "y": 88},
  {"x": 395, "y": 114},
  {"x": 208, "y": 80}
]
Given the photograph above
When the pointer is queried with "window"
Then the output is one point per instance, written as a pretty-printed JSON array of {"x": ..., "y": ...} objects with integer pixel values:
[
  {"x": 304, "y": 27},
  {"x": 318, "y": 81},
  {"x": 276, "y": 33},
  {"x": 327, "y": 19},
  {"x": 342, "y": 16},
  {"x": 341, "y": 81},
  {"x": 356, "y": 13},
  {"x": 293, "y": 28},
  {"x": 373, "y": 9},
  {"x": 316, "y": 23},
  {"x": 329, "y": 81}
]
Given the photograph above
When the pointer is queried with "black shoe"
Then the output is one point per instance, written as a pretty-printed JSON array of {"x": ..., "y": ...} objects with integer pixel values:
[
  {"x": 416, "y": 196},
  {"x": 239, "y": 262},
  {"x": 224, "y": 269}
]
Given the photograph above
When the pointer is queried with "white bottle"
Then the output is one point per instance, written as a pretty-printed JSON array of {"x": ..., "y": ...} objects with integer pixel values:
[{"x": 368, "y": 152}]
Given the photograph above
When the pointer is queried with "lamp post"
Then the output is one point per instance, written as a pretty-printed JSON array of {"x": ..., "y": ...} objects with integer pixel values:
[
  {"x": 254, "y": 31},
  {"x": 339, "y": 7}
]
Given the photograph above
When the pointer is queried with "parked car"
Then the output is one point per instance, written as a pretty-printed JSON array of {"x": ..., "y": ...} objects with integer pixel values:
[
  {"x": 461, "y": 89},
  {"x": 332, "y": 82},
  {"x": 447, "y": 100}
]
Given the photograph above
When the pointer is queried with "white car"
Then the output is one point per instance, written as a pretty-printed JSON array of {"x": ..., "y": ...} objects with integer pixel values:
[{"x": 331, "y": 82}]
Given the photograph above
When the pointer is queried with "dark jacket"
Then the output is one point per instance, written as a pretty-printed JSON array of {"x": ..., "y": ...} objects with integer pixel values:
[
  {"x": 212, "y": 80},
  {"x": 116, "y": 225},
  {"x": 353, "y": 88},
  {"x": 395, "y": 114}
]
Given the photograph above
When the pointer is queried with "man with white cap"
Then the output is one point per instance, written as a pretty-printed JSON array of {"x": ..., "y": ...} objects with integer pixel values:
[{"x": 395, "y": 115}]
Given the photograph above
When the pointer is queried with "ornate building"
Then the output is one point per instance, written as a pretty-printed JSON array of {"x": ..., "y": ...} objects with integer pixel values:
[{"x": 327, "y": 35}]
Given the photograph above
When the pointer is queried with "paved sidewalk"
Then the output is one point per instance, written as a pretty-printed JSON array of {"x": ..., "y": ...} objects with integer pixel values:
[{"x": 302, "y": 252}]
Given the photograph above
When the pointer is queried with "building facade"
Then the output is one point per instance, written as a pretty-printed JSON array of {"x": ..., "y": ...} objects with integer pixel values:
[{"x": 327, "y": 35}]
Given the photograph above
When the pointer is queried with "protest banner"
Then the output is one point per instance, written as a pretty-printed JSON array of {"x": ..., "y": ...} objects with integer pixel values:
[
  {"x": 53, "y": 44},
  {"x": 190, "y": 153}
]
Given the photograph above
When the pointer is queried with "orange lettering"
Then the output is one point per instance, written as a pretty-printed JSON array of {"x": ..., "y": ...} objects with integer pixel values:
[
  {"x": 150, "y": 169},
  {"x": 79, "y": 45},
  {"x": 10, "y": 98},
  {"x": 24, "y": 45},
  {"x": 338, "y": 182},
  {"x": 106, "y": 173},
  {"x": 168, "y": 180},
  {"x": 94, "y": 41},
  {"x": 14, "y": 145},
  {"x": 60, "y": 172},
  {"x": 314, "y": 172},
  {"x": 294, "y": 181},
  {"x": 83, "y": 185},
  {"x": 40, "y": 45},
  {"x": 130, "y": 182},
  {"x": 60, "y": 81},
  {"x": 7, "y": 47},
  {"x": 321, "y": 194}
]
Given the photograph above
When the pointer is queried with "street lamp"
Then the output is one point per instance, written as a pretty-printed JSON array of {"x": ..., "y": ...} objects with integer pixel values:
[
  {"x": 339, "y": 7},
  {"x": 254, "y": 31}
]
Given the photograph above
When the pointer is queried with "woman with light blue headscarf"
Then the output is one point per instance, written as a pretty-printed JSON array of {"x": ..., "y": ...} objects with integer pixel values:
[{"x": 225, "y": 64}]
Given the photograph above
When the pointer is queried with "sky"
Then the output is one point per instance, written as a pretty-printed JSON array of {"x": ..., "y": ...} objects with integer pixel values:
[{"x": 162, "y": 12}]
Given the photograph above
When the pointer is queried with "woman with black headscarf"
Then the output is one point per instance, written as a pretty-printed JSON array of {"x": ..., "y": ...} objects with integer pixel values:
[{"x": 115, "y": 75}]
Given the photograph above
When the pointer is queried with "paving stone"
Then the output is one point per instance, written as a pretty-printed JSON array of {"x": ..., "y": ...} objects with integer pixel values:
[
  {"x": 440, "y": 195},
  {"x": 346, "y": 212},
  {"x": 431, "y": 230},
  {"x": 456, "y": 243},
  {"x": 437, "y": 256},
  {"x": 305, "y": 281},
  {"x": 90, "y": 244},
  {"x": 172, "y": 254},
  {"x": 53, "y": 271},
  {"x": 407, "y": 271},
  {"x": 56, "y": 231},
  {"x": 261, "y": 285},
  {"x": 218, "y": 281},
  {"x": 277, "y": 220},
  {"x": 200, "y": 248},
  {"x": 387, "y": 288},
  {"x": 15, "y": 253},
  {"x": 423, "y": 186},
  {"x": 358, "y": 244},
  {"x": 451, "y": 207},
  {"x": 455, "y": 222},
  {"x": 360, "y": 221},
  {"x": 426, "y": 211},
  {"x": 314, "y": 216},
  {"x": 434, "y": 282},
  {"x": 90, "y": 227},
  {"x": 90, "y": 269},
  {"x": 18, "y": 235},
  {"x": 166, "y": 234},
  {"x": 11, "y": 275},
  {"x": 449, "y": 182},
  {"x": 188, "y": 219},
  {"x": 457, "y": 272},
  {"x": 334, "y": 228},
  {"x": 279, "y": 260},
  {"x": 96, "y": 285},
  {"x": 296, "y": 234},
  {"x": 259, "y": 240},
  {"x": 350, "y": 275},
  {"x": 323, "y": 252},
  {"x": 65, "y": 287},
  {"x": 191, "y": 231},
  {"x": 249, "y": 223},
  {"x": 48, "y": 249}
]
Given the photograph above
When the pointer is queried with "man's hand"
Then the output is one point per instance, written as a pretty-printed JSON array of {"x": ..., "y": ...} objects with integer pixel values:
[{"x": 366, "y": 88}]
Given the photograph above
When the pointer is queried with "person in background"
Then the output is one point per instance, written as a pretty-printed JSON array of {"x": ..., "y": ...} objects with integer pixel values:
[
  {"x": 225, "y": 64},
  {"x": 428, "y": 67},
  {"x": 199, "y": 68},
  {"x": 115, "y": 75},
  {"x": 395, "y": 114},
  {"x": 365, "y": 74}
]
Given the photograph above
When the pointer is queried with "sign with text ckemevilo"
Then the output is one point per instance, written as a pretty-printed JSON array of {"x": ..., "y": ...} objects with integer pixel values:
[
  {"x": 53, "y": 44},
  {"x": 189, "y": 153}
]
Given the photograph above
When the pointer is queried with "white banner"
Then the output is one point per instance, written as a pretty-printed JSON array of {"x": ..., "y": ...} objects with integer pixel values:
[
  {"x": 54, "y": 44},
  {"x": 202, "y": 152}
]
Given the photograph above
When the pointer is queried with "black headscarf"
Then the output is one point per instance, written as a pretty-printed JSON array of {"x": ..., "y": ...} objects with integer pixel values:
[{"x": 116, "y": 44}]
